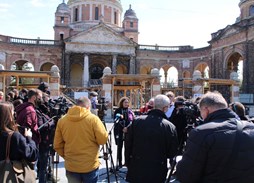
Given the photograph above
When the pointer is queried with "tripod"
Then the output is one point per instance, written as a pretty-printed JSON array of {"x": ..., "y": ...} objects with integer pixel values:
[
  {"x": 107, "y": 154},
  {"x": 179, "y": 151}
]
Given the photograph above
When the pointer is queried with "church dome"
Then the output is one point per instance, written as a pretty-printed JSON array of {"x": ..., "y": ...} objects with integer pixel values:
[
  {"x": 246, "y": 9},
  {"x": 130, "y": 13},
  {"x": 63, "y": 8}
]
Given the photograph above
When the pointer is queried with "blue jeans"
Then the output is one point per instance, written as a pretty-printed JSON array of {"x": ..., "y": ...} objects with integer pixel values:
[{"x": 90, "y": 177}]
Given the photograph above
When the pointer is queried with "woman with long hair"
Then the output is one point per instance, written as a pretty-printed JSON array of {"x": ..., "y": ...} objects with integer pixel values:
[
  {"x": 123, "y": 116},
  {"x": 21, "y": 146}
]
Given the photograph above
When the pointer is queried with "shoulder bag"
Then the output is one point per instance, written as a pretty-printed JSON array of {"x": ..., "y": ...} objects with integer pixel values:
[{"x": 15, "y": 171}]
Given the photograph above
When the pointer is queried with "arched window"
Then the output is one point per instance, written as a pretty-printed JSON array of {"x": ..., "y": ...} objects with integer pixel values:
[
  {"x": 252, "y": 10},
  {"x": 76, "y": 15},
  {"x": 62, "y": 20},
  {"x": 61, "y": 36},
  {"x": 131, "y": 24},
  {"x": 96, "y": 13},
  {"x": 115, "y": 17}
]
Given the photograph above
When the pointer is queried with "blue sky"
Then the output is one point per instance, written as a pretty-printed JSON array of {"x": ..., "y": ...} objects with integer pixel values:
[{"x": 162, "y": 22}]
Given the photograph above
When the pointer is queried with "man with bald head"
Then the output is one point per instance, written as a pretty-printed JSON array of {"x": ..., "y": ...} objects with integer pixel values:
[{"x": 221, "y": 149}]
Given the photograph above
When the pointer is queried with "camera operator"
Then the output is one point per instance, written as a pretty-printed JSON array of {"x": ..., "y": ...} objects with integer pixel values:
[
  {"x": 45, "y": 127},
  {"x": 101, "y": 106},
  {"x": 221, "y": 149},
  {"x": 44, "y": 87},
  {"x": 179, "y": 119},
  {"x": 123, "y": 116},
  {"x": 93, "y": 96}
]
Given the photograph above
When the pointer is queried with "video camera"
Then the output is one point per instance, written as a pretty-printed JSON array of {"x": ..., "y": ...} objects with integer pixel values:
[
  {"x": 191, "y": 111},
  {"x": 58, "y": 107},
  {"x": 102, "y": 107}
]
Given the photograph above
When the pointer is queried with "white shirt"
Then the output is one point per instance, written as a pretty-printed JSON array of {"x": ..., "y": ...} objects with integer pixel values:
[{"x": 170, "y": 110}]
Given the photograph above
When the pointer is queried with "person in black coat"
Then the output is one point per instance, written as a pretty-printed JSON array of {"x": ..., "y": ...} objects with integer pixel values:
[
  {"x": 150, "y": 141},
  {"x": 239, "y": 109},
  {"x": 210, "y": 146},
  {"x": 123, "y": 116},
  {"x": 179, "y": 119},
  {"x": 21, "y": 147}
]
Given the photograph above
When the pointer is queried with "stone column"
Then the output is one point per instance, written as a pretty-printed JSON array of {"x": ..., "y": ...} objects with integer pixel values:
[
  {"x": 86, "y": 71},
  {"x": 197, "y": 89},
  {"x": 66, "y": 70},
  {"x": 114, "y": 64},
  {"x": 91, "y": 12},
  {"x": 155, "y": 84},
  {"x": 54, "y": 82},
  {"x": 2, "y": 82},
  {"x": 102, "y": 10},
  {"x": 112, "y": 15},
  {"x": 72, "y": 12},
  {"x": 166, "y": 78},
  {"x": 235, "y": 87},
  {"x": 108, "y": 92},
  {"x": 132, "y": 65},
  {"x": 80, "y": 13}
]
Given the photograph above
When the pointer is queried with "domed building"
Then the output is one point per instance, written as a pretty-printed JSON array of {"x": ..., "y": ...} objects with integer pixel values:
[{"x": 94, "y": 39}]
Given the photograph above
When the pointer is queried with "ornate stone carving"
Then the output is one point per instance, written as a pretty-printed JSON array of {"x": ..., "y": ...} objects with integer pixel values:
[{"x": 100, "y": 40}]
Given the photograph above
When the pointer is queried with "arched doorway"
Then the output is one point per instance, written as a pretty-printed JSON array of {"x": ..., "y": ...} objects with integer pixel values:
[
  {"x": 76, "y": 75},
  {"x": 235, "y": 64},
  {"x": 96, "y": 71}
]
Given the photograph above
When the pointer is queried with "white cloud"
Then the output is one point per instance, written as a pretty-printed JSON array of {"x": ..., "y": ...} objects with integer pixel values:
[
  {"x": 37, "y": 3},
  {"x": 4, "y": 7},
  {"x": 45, "y": 3}
]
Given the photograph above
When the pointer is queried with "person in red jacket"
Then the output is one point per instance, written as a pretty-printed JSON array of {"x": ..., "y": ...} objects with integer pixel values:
[
  {"x": 149, "y": 105},
  {"x": 26, "y": 113}
]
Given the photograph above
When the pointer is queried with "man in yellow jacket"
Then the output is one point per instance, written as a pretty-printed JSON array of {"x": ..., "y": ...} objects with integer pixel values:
[{"x": 78, "y": 136}]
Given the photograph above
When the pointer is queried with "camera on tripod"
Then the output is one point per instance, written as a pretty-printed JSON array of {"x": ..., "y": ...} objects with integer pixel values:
[
  {"x": 102, "y": 106},
  {"x": 191, "y": 111},
  {"x": 59, "y": 107}
]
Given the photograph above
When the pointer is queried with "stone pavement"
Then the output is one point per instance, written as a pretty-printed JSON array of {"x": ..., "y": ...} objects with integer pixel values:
[{"x": 114, "y": 178}]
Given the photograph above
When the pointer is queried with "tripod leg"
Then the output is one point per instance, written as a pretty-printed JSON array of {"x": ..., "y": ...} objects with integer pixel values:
[
  {"x": 171, "y": 170},
  {"x": 105, "y": 154}
]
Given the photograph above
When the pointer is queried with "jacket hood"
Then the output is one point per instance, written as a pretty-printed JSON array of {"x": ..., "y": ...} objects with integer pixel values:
[
  {"x": 77, "y": 113},
  {"x": 23, "y": 106}
]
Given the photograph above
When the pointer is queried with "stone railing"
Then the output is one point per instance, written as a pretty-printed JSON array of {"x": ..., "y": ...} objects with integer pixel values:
[
  {"x": 38, "y": 41},
  {"x": 164, "y": 48}
]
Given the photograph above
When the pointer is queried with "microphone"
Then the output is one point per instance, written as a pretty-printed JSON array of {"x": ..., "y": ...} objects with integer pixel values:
[{"x": 117, "y": 118}]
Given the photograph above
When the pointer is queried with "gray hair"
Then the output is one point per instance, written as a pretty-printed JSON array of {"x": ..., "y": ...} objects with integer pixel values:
[
  {"x": 84, "y": 102},
  {"x": 161, "y": 101},
  {"x": 214, "y": 100}
]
